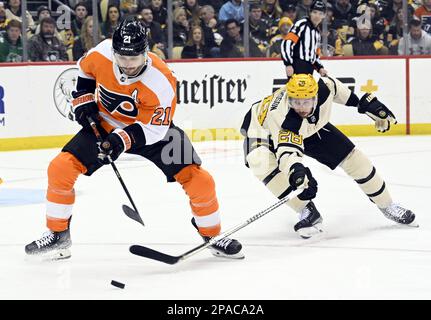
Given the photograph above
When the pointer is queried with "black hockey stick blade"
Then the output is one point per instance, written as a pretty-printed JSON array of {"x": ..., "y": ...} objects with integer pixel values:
[
  {"x": 153, "y": 254},
  {"x": 132, "y": 214}
]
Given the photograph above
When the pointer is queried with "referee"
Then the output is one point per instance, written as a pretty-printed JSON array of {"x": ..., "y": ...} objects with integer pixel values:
[{"x": 301, "y": 49}]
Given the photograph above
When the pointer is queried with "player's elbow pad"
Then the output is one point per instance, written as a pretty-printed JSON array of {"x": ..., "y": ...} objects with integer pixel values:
[{"x": 137, "y": 135}]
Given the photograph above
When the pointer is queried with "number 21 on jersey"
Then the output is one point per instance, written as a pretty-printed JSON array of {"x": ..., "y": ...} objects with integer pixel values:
[{"x": 158, "y": 113}]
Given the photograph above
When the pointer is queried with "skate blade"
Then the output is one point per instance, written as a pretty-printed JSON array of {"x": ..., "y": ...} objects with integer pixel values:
[
  {"x": 55, "y": 255},
  {"x": 307, "y": 233},
  {"x": 413, "y": 224},
  {"x": 220, "y": 254}
]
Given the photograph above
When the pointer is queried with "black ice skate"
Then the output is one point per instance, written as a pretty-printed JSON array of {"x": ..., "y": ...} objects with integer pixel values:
[
  {"x": 51, "y": 246},
  {"x": 227, "y": 248},
  {"x": 399, "y": 214},
  {"x": 310, "y": 221}
]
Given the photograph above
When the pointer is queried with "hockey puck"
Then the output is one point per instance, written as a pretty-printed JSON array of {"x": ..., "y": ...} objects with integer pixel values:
[{"x": 118, "y": 284}]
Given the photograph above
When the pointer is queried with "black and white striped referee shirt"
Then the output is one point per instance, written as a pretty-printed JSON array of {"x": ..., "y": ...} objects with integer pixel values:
[{"x": 302, "y": 42}]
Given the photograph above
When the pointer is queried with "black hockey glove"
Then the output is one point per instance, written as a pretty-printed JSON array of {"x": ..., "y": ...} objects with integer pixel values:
[
  {"x": 115, "y": 143},
  {"x": 377, "y": 111},
  {"x": 297, "y": 175},
  {"x": 311, "y": 190},
  {"x": 85, "y": 106},
  {"x": 300, "y": 177}
]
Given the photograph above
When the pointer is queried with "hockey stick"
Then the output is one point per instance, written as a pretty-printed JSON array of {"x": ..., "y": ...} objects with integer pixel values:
[
  {"x": 162, "y": 257},
  {"x": 132, "y": 214}
]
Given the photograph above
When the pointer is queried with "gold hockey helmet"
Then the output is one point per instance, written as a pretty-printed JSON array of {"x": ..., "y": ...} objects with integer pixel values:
[{"x": 302, "y": 86}]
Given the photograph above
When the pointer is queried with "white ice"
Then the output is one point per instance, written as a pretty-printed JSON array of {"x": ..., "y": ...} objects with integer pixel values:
[{"x": 362, "y": 255}]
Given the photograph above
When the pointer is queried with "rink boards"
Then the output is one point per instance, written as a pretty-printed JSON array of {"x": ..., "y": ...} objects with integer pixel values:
[{"x": 213, "y": 97}]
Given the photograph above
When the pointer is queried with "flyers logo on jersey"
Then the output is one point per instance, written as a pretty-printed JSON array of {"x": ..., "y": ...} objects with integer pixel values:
[{"x": 120, "y": 103}]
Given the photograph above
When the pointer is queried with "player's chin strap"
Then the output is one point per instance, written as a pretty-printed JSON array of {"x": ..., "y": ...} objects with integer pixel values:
[{"x": 132, "y": 214}]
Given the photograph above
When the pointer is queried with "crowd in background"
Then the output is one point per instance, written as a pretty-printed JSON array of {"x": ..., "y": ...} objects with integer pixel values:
[{"x": 214, "y": 28}]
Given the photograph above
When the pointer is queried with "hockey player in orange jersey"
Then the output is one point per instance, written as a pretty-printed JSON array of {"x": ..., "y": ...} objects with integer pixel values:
[{"x": 131, "y": 94}]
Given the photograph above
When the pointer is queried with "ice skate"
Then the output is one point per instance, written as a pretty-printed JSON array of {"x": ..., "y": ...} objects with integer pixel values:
[
  {"x": 310, "y": 222},
  {"x": 227, "y": 248},
  {"x": 51, "y": 246},
  {"x": 399, "y": 214}
]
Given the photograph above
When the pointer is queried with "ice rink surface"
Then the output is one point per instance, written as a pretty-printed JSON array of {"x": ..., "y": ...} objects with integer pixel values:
[{"x": 361, "y": 255}]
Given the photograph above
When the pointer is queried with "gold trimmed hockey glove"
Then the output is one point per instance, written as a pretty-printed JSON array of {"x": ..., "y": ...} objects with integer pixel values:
[{"x": 382, "y": 116}]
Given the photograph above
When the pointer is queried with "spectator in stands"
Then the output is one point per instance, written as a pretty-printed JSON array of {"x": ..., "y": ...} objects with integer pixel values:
[
  {"x": 232, "y": 45},
  {"x": 81, "y": 13},
  {"x": 377, "y": 21},
  {"x": 330, "y": 16},
  {"x": 44, "y": 12},
  {"x": 216, "y": 4},
  {"x": 192, "y": 10},
  {"x": 3, "y": 20},
  {"x": 45, "y": 46},
  {"x": 271, "y": 12},
  {"x": 131, "y": 7},
  {"x": 418, "y": 40},
  {"x": 180, "y": 28},
  {"x": 291, "y": 12},
  {"x": 344, "y": 34},
  {"x": 211, "y": 29},
  {"x": 208, "y": 34},
  {"x": 128, "y": 7},
  {"x": 160, "y": 14},
  {"x": 13, "y": 12},
  {"x": 207, "y": 15},
  {"x": 232, "y": 9},
  {"x": 331, "y": 32},
  {"x": 73, "y": 3},
  {"x": 283, "y": 28},
  {"x": 259, "y": 27},
  {"x": 395, "y": 32},
  {"x": 209, "y": 20},
  {"x": 195, "y": 47},
  {"x": 303, "y": 9},
  {"x": 423, "y": 13},
  {"x": 344, "y": 11},
  {"x": 68, "y": 40},
  {"x": 364, "y": 44},
  {"x": 111, "y": 22},
  {"x": 392, "y": 7},
  {"x": 85, "y": 40},
  {"x": 10, "y": 43},
  {"x": 157, "y": 41}
]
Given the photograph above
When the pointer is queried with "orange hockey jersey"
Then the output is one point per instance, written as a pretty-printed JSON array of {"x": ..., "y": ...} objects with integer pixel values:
[{"x": 148, "y": 99}]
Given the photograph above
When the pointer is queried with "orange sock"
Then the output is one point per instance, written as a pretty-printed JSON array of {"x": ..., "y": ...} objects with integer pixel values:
[
  {"x": 200, "y": 187},
  {"x": 63, "y": 171}
]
